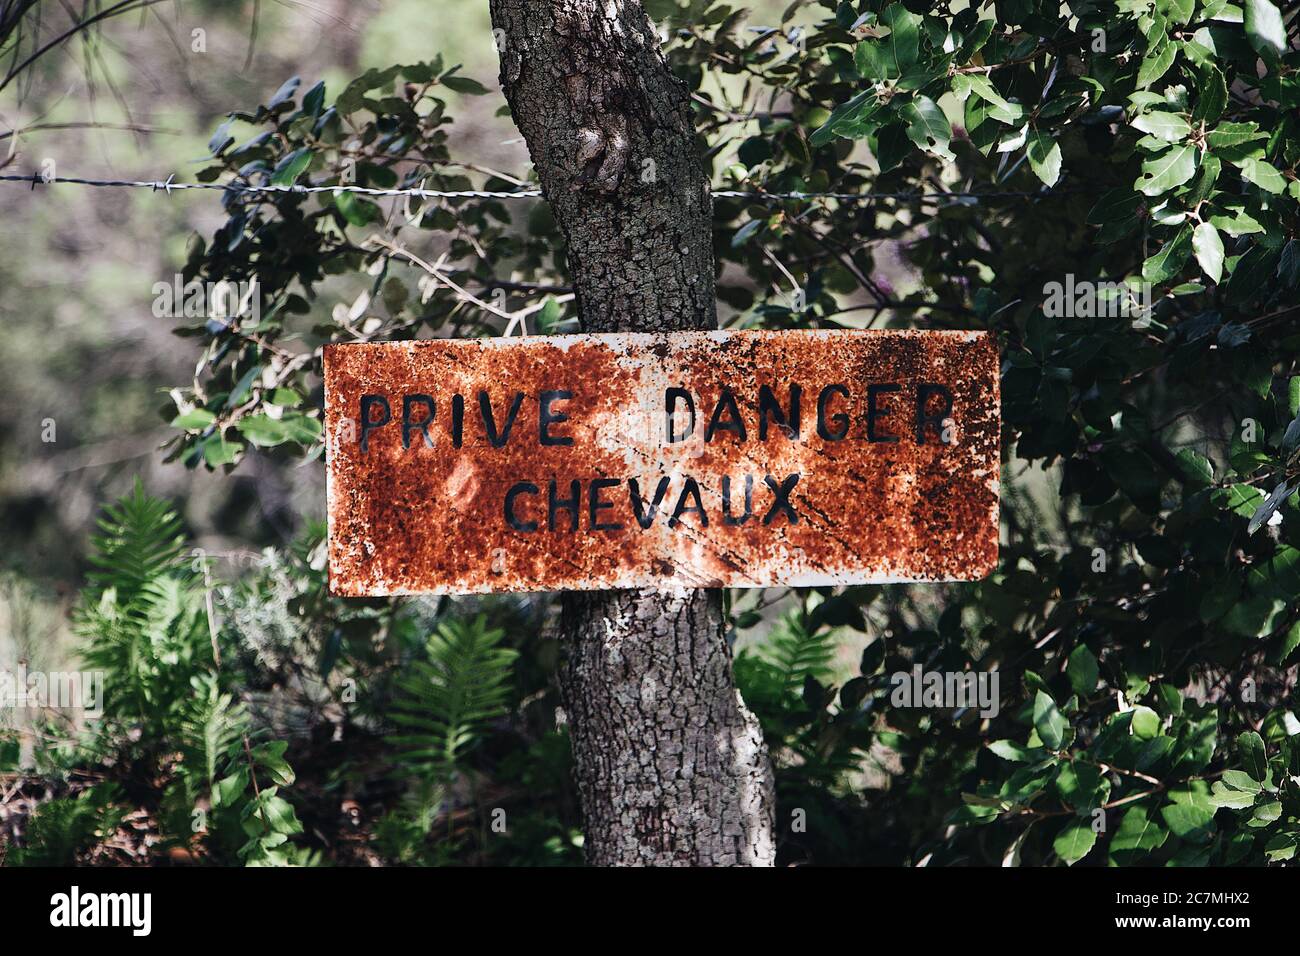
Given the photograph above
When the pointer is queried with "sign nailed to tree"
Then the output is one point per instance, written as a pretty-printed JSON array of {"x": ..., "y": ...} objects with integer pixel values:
[{"x": 703, "y": 459}]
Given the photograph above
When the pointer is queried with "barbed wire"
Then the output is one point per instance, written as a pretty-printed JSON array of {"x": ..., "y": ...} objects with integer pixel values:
[{"x": 169, "y": 185}]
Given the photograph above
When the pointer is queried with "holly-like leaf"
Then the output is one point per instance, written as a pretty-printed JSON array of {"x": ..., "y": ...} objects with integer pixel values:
[
  {"x": 1169, "y": 127},
  {"x": 1208, "y": 248},
  {"x": 1075, "y": 842},
  {"x": 927, "y": 126},
  {"x": 1250, "y": 746},
  {"x": 1167, "y": 170},
  {"x": 1081, "y": 668},
  {"x": 1264, "y": 28},
  {"x": 288, "y": 169},
  {"x": 1048, "y": 721},
  {"x": 1044, "y": 157}
]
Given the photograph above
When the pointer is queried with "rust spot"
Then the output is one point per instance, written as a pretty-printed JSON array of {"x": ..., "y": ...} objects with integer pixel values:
[{"x": 705, "y": 459}]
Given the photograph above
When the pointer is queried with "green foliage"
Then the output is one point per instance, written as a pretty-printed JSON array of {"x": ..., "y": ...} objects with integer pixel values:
[
  {"x": 444, "y": 704},
  {"x": 446, "y": 700},
  {"x": 169, "y": 708},
  {"x": 1151, "y": 556},
  {"x": 65, "y": 827},
  {"x": 143, "y": 616}
]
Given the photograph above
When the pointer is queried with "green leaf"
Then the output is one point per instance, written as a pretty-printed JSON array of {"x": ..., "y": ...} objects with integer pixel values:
[
  {"x": 196, "y": 420},
  {"x": 1264, "y": 29},
  {"x": 285, "y": 93},
  {"x": 1169, "y": 261},
  {"x": 356, "y": 210},
  {"x": 904, "y": 37},
  {"x": 1262, "y": 175},
  {"x": 1075, "y": 842},
  {"x": 548, "y": 315},
  {"x": 1169, "y": 127},
  {"x": 1167, "y": 170},
  {"x": 1146, "y": 723},
  {"x": 890, "y": 57},
  {"x": 999, "y": 108},
  {"x": 1082, "y": 671},
  {"x": 228, "y": 789},
  {"x": 849, "y": 116},
  {"x": 1221, "y": 795},
  {"x": 285, "y": 398},
  {"x": 1016, "y": 753},
  {"x": 1290, "y": 641},
  {"x": 927, "y": 126},
  {"x": 1044, "y": 155},
  {"x": 1226, "y": 135},
  {"x": 1208, "y": 248},
  {"x": 314, "y": 99},
  {"x": 1282, "y": 847},
  {"x": 302, "y": 429},
  {"x": 1241, "y": 780},
  {"x": 1082, "y": 786},
  {"x": 288, "y": 169},
  {"x": 1191, "y": 814},
  {"x": 217, "y": 451},
  {"x": 1250, "y": 746},
  {"x": 1178, "y": 11},
  {"x": 463, "y": 84},
  {"x": 1138, "y": 834},
  {"x": 270, "y": 760},
  {"x": 1197, "y": 469},
  {"x": 1156, "y": 63},
  {"x": 1048, "y": 721},
  {"x": 1213, "y": 99}
]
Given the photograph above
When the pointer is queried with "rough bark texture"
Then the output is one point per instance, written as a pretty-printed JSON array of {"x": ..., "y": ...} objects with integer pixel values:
[{"x": 670, "y": 764}]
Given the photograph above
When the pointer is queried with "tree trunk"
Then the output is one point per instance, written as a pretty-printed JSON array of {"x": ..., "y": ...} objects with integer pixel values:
[{"x": 670, "y": 764}]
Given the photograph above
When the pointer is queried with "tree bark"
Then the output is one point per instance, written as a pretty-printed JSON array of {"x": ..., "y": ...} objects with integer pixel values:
[{"x": 670, "y": 764}]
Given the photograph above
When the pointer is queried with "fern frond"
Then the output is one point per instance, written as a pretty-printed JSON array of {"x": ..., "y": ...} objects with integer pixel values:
[
  {"x": 446, "y": 701},
  {"x": 142, "y": 614},
  {"x": 212, "y": 725},
  {"x": 797, "y": 653},
  {"x": 65, "y": 827},
  {"x": 141, "y": 541}
]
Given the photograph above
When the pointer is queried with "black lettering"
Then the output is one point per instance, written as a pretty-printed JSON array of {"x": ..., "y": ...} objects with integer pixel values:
[
  {"x": 768, "y": 406},
  {"x": 546, "y": 418},
  {"x": 570, "y": 504},
  {"x": 726, "y": 403},
  {"x": 646, "y": 518},
  {"x": 457, "y": 420},
  {"x": 596, "y": 505},
  {"x": 408, "y": 405},
  {"x": 670, "y": 404},
  {"x": 369, "y": 402},
  {"x": 727, "y": 518},
  {"x": 489, "y": 425},
  {"x": 521, "y": 488},
  {"x": 923, "y": 393},
  {"x": 782, "y": 501},
  {"x": 840, "y": 419},
  {"x": 689, "y": 488},
  {"x": 874, "y": 411}
]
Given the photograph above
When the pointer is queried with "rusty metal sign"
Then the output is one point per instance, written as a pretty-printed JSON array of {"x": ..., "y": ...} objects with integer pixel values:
[{"x": 707, "y": 459}]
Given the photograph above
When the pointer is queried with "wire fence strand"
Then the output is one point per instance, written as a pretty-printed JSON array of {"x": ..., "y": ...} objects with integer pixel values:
[{"x": 169, "y": 185}]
